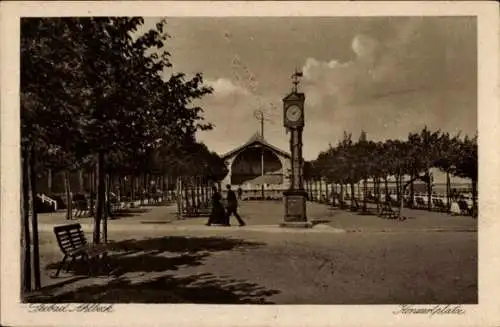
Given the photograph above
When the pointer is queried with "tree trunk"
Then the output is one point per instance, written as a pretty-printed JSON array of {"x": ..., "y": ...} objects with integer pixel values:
[
  {"x": 92, "y": 192},
  {"x": 49, "y": 181},
  {"x": 341, "y": 195},
  {"x": 192, "y": 190},
  {"x": 100, "y": 197},
  {"x": 198, "y": 192},
  {"x": 429, "y": 192},
  {"x": 320, "y": 197},
  {"x": 365, "y": 190},
  {"x": 179, "y": 197},
  {"x": 107, "y": 208},
  {"x": 403, "y": 189},
  {"x": 26, "y": 239},
  {"x": 141, "y": 182},
  {"x": 359, "y": 190},
  {"x": 81, "y": 188},
  {"x": 401, "y": 204},
  {"x": 132, "y": 188},
  {"x": 185, "y": 189},
  {"x": 377, "y": 181},
  {"x": 353, "y": 207},
  {"x": 412, "y": 190},
  {"x": 448, "y": 190},
  {"x": 398, "y": 188},
  {"x": 69, "y": 197},
  {"x": 327, "y": 196},
  {"x": 34, "y": 220},
  {"x": 386, "y": 188},
  {"x": 119, "y": 189},
  {"x": 474, "y": 196}
]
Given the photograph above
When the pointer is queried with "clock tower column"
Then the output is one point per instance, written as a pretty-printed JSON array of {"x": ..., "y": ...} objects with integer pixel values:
[{"x": 295, "y": 196}]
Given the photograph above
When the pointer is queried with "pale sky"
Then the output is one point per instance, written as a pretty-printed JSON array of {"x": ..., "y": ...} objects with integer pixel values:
[{"x": 388, "y": 76}]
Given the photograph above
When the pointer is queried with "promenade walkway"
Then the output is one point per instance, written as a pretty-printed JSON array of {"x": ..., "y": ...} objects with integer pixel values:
[
  {"x": 267, "y": 215},
  {"x": 345, "y": 259}
]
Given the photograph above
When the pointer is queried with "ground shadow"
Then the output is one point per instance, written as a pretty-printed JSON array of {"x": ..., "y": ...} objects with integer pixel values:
[
  {"x": 161, "y": 255},
  {"x": 200, "y": 288},
  {"x": 315, "y": 222},
  {"x": 128, "y": 212},
  {"x": 181, "y": 244}
]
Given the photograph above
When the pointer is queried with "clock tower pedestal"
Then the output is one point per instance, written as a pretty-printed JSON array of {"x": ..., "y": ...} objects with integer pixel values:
[{"x": 295, "y": 209}]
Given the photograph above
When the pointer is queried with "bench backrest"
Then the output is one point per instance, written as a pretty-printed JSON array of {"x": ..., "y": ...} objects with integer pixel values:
[{"x": 70, "y": 237}]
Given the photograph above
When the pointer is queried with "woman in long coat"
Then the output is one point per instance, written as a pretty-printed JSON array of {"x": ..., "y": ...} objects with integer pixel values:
[{"x": 218, "y": 213}]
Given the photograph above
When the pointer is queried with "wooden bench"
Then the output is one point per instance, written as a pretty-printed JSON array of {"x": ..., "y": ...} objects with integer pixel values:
[
  {"x": 387, "y": 212},
  {"x": 420, "y": 203},
  {"x": 464, "y": 208},
  {"x": 439, "y": 205},
  {"x": 74, "y": 245}
]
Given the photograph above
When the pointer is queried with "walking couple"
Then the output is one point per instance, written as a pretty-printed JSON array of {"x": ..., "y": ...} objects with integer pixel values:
[{"x": 219, "y": 214}]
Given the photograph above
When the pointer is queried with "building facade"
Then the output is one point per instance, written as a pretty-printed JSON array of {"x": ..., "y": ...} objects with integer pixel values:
[{"x": 258, "y": 164}]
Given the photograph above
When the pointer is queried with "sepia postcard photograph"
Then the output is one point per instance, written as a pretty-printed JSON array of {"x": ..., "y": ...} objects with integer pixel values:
[{"x": 249, "y": 163}]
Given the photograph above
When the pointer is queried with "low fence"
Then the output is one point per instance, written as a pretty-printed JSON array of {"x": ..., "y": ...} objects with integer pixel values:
[
  {"x": 459, "y": 202},
  {"x": 193, "y": 198},
  {"x": 275, "y": 194}
]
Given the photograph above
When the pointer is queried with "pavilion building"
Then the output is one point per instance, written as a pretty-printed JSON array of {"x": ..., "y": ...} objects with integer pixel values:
[{"x": 258, "y": 164}]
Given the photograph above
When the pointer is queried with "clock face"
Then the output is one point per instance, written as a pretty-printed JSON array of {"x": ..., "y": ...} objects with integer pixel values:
[{"x": 293, "y": 113}]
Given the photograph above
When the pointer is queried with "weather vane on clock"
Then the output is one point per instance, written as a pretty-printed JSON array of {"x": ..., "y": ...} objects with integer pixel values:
[{"x": 296, "y": 80}]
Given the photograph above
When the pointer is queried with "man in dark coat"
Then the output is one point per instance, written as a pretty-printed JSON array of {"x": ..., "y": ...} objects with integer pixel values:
[
  {"x": 218, "y": 214},
  {"x": 232, "y": 206}
]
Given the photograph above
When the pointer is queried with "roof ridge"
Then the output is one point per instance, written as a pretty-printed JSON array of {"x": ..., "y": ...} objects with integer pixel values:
[{"x": 256, "y": 137}]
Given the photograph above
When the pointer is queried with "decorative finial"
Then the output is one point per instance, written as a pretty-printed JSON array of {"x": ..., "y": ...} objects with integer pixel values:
[{"x": 296, "y": 80}]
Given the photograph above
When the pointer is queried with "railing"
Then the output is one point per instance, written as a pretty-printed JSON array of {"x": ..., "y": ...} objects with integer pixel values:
[
  {"x": 45, "y": 199},
  {"x": 330, "y": 194}
]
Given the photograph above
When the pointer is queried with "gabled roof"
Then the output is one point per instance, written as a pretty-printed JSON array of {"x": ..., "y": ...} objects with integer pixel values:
[{"x": 254, "y": 140}]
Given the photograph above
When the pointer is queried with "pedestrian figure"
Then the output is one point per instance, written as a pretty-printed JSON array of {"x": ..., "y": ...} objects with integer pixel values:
[
  {"x": 232, "y": 206},
  {"x": 217, "y": 215},
  {"x": 240, "y": 192}
]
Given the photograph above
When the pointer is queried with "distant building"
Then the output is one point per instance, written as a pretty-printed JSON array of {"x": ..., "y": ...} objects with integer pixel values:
[{"x": 245, "y": 165}]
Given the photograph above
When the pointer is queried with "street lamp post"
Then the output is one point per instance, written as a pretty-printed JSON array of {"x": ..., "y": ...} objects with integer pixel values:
[{"x": 259, "y": 115}]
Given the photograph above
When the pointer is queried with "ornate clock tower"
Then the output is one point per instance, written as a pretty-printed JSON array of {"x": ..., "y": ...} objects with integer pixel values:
[{"x": 295, "y": 196}]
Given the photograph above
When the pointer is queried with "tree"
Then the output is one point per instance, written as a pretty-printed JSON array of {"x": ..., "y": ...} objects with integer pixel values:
[
  {"x": 424, "y": 153},
  {"x": 448, "y": 155},
  {"x": 93, "y": 86},
  {"x": 466, "y": 165},
  {"x": 366, "y": 160}
]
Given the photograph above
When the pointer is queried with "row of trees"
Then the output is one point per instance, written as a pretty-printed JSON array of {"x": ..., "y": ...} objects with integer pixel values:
[
  {"x": 97, "y": 95},
  {"x": 352, "y": 162}
]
